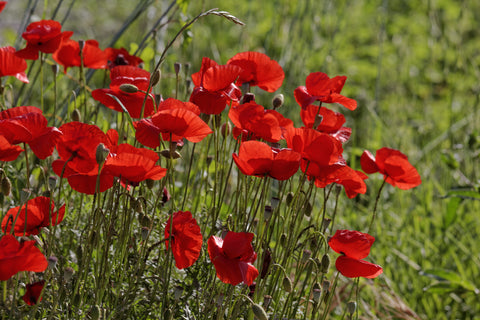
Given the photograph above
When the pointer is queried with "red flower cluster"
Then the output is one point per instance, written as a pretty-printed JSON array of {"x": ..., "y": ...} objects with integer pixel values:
[
  {"x": 16, "y": 257},
  {"x": 393, "y": 165},
  {"x": 354, "y": 246},
  {"x": 233, "y": 257},
  {"x": 26, "y": 125},
  {"x": 32, "y": 216},
  {"x": 185, "y": 237}
]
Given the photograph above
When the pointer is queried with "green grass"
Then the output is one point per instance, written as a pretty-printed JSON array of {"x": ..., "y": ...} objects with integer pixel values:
[{"x": 413, "y": 68}]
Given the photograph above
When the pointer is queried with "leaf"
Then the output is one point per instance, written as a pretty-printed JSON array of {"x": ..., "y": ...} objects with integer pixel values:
[
  {"x": 463, "y": 194},
  {"x": 451, "y": 215},
  {"x": 448, "y": 279}
]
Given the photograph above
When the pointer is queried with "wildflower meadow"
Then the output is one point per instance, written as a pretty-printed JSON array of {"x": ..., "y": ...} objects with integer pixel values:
[{"x": 225, "y": 160}]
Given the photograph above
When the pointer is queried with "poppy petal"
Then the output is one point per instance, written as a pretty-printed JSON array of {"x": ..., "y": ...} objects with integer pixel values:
[{"x": 353, "y": 268}]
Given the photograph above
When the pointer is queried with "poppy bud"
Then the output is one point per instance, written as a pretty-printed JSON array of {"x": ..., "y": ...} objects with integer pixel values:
[
  {"x": 95, "y": 312},
  {"x": 145, "y": 232},
  {"x": 307, "y": 209},
  {"x": 81, "y": 44},
  {"x": 283, "y": 239},
  {"x": 52, "y": 182},
  {"x": 325, "y": 263},
  {"x": 177, "y": 66},
  {"x": 267, "y": 213},
  {"x": 24, "y": 195},
  {"x": 55, "y": 69},
  {"x": 76, "y": 115},
  {"x": 287, "y": 284},
  {"x": 6, "y": 186},
  {"x": 289, "y": 198},
  {"x": 351, "y": 307},
  {"x": 306, "y": 255},
  {"x": 52, "y": 262},
  {"x": 326, "y": 223},
  {"x": 155, "y": 77},
  {"x": 150, "y": 183},
  {"x": 317, "y": 292},
  {"x": 267, "y": 259},
  {"x": 68, "y": 273},
  {"x": 318, "y": 120},
  {"x": 137, "y": 205},
  {"x": 259, "y": 312},
  {"x": 226, "y": 129},
  {"x": 177, "y": 292},
  {"x": 325, "y": 285},
  {"x": 275, "y": 202},
  {"x": 128, "y": 88},
  {"x": 277, "y": 101},
  {"x": 101, "y": 153},
  {"x": 145, "y": 221},
  {"x": 170, "y": 155}
]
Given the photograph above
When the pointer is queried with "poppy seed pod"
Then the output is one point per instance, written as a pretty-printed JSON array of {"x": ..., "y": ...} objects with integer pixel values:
[
  {"x": 170, "y": 155},
  {"x": 318, "y": 120},
  {"x": 248, "y": 97},
  {"x": 306, "y": 255},
  {"x": 68, "y": 273},
  {"x": 128, "y": 88},
  {"x": 277, "y": 101},
  {"x": 351, "y": 307},
  {"x": 259, "y": 312},
  {"x": 267, "y": 299},
  {"x": 307, "y": 209},
  {"x": 52, "y": 262},
  {"x": 177, "y": 66}
]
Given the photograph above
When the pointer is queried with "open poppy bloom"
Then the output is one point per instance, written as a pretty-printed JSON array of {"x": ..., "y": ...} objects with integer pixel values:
[
  {"x": 29, "y": 125},
  {"x": 16, "y": 257},
  {"x": 393, "y": 165},
  {"x": 174, "y": 121},
  {"x": 11, "y": 65},
  {"x": 254, "y": 122},
  {"x": 68, "y": 55},
  {"x": 320, "y": 87},
  {"x": 33, "y": 293},
  {"x": 214, "y": 88},
  {"x": 121, "y": 57},
  {"x": 44, "y": 36},
  {"x": 133, "y": 165},
  {"x": 8, "y": 151},
  {"x": 133, "y": 102},
  {"x": 77, "y": 150},
  {"x": 32, "y": 216},
  {"x": 233, "y": 257},
  {"x": 2, "y": 5},
  {"x": 331, "y": 121},
  {"x": 354, "y": 246},
  {"x": 186, "y": 239},
  {"x": 258, "y": 70},
  {"x": 258, "y": 159}
]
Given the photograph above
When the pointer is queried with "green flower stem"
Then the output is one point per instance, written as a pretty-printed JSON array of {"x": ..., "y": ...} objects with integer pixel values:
[{"x": 375, "y": 206}]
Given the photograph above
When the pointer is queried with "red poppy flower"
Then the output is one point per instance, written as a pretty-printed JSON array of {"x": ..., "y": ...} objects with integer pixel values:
[
  {"x": 16, "y": 257},
  {"x": 68, "y": 55},
  {"x": 77, "y": 150},
  {"x": 186, "y": 239},
  {"x": 214, "y": 88},
  {"x": 319, "y": 87},
  {"x": 393, "y": 165},
  {"x": 121, "y": 57},
  {"x": 133, "y": 165},
  {"x": 29, "y": 125},
  {"x": 8, "y": 151},
  {"x": 11, "y": 65},
  {"x": 44, "y": 36},
  {"x": 133, "y": 102},
  {"x": 331, "y": 121},
  {"x": 32, "y": 216},
  {"x": 258, "y": 70},
  {"x": 258, "y": 159},
  {"x": 2, "y": 5},
  {"x": 174, "y": 120},
  {"x": 259, "y": 123},
  {"x": 354, "y": 246},
  {"x": 233, "y": 257},
  {"x": 33, "y": 293}
]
